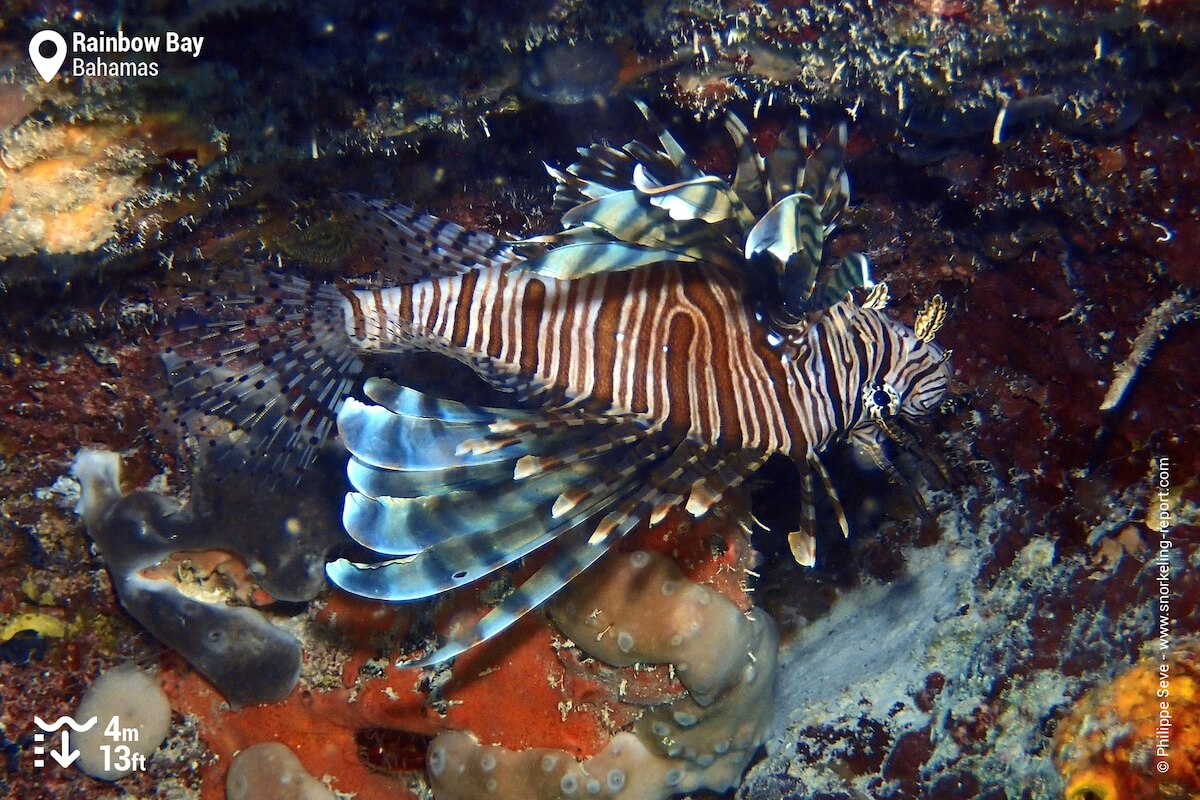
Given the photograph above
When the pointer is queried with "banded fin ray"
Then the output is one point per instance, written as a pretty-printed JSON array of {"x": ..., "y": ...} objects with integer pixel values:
[
  {"x": 777, "y": 214},
  {"x": 601, "y": 169},
  {"x": 410, "y": 403},
  {"x": 822, "y": 176},
  {"x": 785, "y": 167},
  {"x": 628, "y": 212},
  {"x": 258, "y": 365},
  {"x": 792, "y": 234},
  {"x": 748, "y": 177},
  {"x": 407, "y": 525},
  {"x": 389, "y": 440},
  {"x": 684, "y": 466},
  {"x": 570, "y": 480},
  {"x": 671, "y": 148},
  {"x": 413, "y": 247},
  {"x": 372, "y": 481},
  {"x": 466, "y": 557},
  {"x": 579, "y": 259},
  {"x": 851, "y": 273},
  {"x": 708, "y": 199}
]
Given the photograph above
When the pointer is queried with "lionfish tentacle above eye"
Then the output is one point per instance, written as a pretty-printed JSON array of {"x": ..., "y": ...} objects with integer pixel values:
[
  {"x": 640, "y": 328},
  {"x": 930, "y": 318}
]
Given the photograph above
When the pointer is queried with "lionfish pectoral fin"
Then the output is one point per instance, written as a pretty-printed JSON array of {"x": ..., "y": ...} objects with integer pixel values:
[
  {"x": 576, "y": 554},
  {"x": 462, "y": 491},
  {"x": 258, "y": 365},
  {"x": 611, "y": 491},
  {"x": 718, "y": 473}
]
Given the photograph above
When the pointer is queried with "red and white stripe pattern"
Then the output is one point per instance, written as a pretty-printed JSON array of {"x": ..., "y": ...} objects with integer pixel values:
[{"x": 674, "y": 345}]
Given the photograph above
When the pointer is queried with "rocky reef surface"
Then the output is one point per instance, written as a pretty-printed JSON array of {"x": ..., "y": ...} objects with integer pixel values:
[{"x": 1034, "y": 163}]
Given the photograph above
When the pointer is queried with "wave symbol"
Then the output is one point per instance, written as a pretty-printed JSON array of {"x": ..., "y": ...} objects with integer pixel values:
[{"x": 61, "y": 721}]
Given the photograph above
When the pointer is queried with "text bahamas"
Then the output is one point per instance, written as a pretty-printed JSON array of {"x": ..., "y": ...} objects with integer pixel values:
[{"x": 171, "y": 42}]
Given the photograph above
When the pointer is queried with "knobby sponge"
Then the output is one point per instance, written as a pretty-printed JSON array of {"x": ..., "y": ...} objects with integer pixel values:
[
  {"x": 271, "y": 771},
  {"x": 131, "y": 711},
  {"x": 640, "y": 608}
]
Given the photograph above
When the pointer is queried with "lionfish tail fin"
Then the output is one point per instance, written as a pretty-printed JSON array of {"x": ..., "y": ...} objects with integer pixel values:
[
  {"x": 257, "y": 366},
  {"x": 450, "y": 494}
]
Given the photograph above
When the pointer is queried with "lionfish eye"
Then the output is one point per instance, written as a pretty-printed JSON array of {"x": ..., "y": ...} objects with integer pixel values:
[{"x": 881, "y": 400}]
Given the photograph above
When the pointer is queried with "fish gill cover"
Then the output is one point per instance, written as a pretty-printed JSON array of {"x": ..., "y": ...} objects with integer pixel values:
[{"x": 1028, "y": 164}]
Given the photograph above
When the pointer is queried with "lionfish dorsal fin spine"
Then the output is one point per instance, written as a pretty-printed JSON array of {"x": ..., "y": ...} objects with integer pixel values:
[
  {"x": 749, "y": 179},
  {"x": 673, "y": 151},
  {"x": 407, "y": 246}
]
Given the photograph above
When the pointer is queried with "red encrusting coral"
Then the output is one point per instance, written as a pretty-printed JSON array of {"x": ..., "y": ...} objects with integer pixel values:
[{"x": 529, "y": 688}]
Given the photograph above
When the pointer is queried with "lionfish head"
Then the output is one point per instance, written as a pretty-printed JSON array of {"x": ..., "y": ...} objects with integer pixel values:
[{"x": 915, "y": 379}]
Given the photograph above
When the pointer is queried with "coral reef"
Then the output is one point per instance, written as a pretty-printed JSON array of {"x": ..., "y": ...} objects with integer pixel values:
[
  {"x": 890, "y": 700},
  {"x": 699, "y": 729},
  {"x": 244, "y": 655},
  {"x": 638, "y": 608}
]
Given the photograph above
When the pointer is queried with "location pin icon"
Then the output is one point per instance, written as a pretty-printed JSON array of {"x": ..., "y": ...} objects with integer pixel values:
[{"x": 47, "y": 66}]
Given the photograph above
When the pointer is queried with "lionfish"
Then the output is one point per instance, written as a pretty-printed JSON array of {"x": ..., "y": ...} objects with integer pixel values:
[{"x": 678, "y": 331}]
